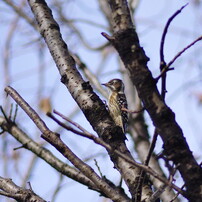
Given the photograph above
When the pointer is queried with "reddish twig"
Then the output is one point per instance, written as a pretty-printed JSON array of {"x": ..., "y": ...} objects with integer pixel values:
[{"x": 182, "y": 51}]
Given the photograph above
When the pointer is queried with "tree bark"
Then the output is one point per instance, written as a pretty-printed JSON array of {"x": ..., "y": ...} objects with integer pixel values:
[
  {"x": 176, "y": 149},
  {"x": 91, "y": 105}
]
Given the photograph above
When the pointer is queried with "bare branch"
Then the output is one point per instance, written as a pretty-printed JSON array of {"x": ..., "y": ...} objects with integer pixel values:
[
  {"x": 21, "y": 13},
  {"x": 157, "y": 193},
  {"x": 123, "y": 37},
  {"x": 55, "y": 140},
  {"x": 138, "y": 131},
  {"x": 92, "y": 107},
  {"x": 58, "y": 188},
  {"x": 108, "y": 147},
  {"x": 58, "y": 144},
  {"x": 182, "y": 51},
  {"x": 162, "y": 60},
  {"x": 162, "y": 63},
  {"x": 126, "y": 42},
  {"x": 44, "y": 154},
  {"x": 89, "y": 75},
  {"x": 20, "y": 194},
  {"x": 167, "y": 67}
]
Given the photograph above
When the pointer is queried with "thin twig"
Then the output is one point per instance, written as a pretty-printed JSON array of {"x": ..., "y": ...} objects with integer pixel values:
[
  {"x": 98, "y": 167},
  {"x": 162, "y": 60},
  {"x": 19, "y": 11},
  {"x": 10, "y": 113},
  {"x": 177, "y": 193},
  {"x": 70, "y": 121},
  {"x": 167, "y": 67},
  {"x": 182, "y": 51},
  {"x": 108, "y": 147},
  {"x": 47, "y": 134},
  {"x": 157, "y": 193},
  {"x": 55, "y": 140},
  {"x": 46, "y": 155},
  {"x": 151, "y": 149},
  {"x": 4, "y": 114},
  {"x": 108, "y": 37},
  {"x": 30, "y": 186},
  {"x": 27, "y": 108},
  {"x": 15, "y": 114},
  {"x": 20, "y": 147},
  {"x": 89, "y": 75},
  {"x": 58, "y": 188},
  {"x": 83, "y": 134},
  {"x": 146, "y": 163},
  {"x": 10, "y": 189},
  {"x": 162, "y": 188},
  {"x": 165, "y": 32}
]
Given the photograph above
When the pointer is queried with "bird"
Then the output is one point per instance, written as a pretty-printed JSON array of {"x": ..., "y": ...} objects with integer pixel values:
[{"x": 116, "y": 102}]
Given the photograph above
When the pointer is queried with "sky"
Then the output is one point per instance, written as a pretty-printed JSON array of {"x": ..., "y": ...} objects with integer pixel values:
[{"x": 31, "y": 67}]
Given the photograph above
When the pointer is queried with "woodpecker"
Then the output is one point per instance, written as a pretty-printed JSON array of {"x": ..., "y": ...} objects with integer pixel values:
[{"x": 116, "y": 102}]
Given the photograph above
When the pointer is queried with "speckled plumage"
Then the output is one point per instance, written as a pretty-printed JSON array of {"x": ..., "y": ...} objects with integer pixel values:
[{"x": 117, "y": 101}]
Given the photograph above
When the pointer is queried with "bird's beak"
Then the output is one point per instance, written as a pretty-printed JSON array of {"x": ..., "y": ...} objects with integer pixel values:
[{"x": 105, "y": 84}]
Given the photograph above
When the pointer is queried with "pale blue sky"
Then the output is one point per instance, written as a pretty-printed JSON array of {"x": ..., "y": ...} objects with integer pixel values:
[{"x": 150, "y": 19}]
